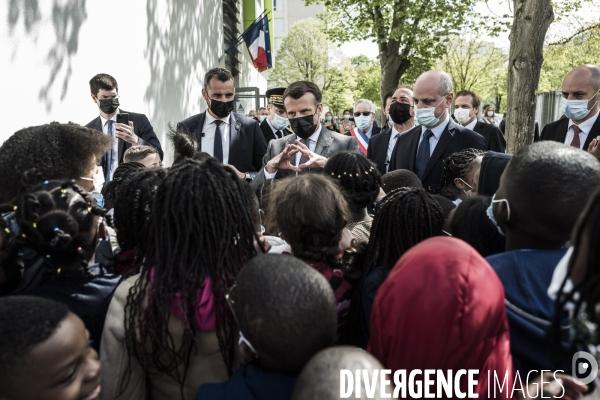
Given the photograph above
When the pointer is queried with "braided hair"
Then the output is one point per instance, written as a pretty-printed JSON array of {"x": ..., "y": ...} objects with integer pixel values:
[
  {"x": 586, "y": 236},
  {"x": 458, "y": 165},
  {"x": 109, "y": 191},
  {"x": 133, "y": 207},
  {"x": 185, "y": 146},
  {"x": 356, "y": 176},
  {"x": 199, "y": 228},
  {"x": 58, "y": 220},
  {"x": 404, "y": 218}
]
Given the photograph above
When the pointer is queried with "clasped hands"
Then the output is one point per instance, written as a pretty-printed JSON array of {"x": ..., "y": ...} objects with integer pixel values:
[{"x": 284, "y": 159}]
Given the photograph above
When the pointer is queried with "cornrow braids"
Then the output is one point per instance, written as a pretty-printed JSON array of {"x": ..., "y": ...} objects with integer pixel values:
[
  {"x": 588, "y": 289},
  {"x": 356, "y": 176},
  {"x": 458, "y": 165},
  {"x": 58, "y": 221},
  {"x": 109, "y": 191},
  {"x": 404, "y": 218},
  {"x": 199, "y": 228}
]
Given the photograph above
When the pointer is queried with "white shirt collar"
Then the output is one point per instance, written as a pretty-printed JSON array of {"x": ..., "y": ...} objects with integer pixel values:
[
  {"x": 585, "y": 126},
  {"x": 210, "y": 119},
  {"x": 395, "y": 131},
  {"x": 113, "y": 118},
  {"x": 471, "y": 126},
  {"x": 438, "y": 130}
]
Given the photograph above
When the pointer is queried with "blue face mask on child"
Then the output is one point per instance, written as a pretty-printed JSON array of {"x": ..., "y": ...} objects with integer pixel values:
[{"x": 490, "y": 213}]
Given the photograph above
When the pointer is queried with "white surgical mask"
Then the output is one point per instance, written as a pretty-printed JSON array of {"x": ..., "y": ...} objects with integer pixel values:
[
  {"x": 347, "y": 116},
  {"x": 363, "y": 122},
  {"x": 463, "y": 115},
  {"x": 262, "y": 118},
  {"x": 576, "y": 109},
  {"x": 490, "y": 114},
  {"x": 279, "y": 122},
  {"x": 426, "y": 116}
]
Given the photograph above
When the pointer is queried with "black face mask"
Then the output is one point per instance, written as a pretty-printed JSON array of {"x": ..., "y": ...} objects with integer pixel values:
[
  {"x": 221, "y": 108},
  {"x": 109, "y": 106},
  {"x": 303, "y": 127},
  {"x": 400, "y": 112}
]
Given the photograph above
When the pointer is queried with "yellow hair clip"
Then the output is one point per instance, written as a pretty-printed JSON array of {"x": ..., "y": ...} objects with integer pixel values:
[{"x": 34, "y": 225}]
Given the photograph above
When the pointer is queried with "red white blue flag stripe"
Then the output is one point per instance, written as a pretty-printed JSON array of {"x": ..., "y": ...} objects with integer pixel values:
[
  {"x": 259, "y": 44},
  {"x": 363, "y": 140}
]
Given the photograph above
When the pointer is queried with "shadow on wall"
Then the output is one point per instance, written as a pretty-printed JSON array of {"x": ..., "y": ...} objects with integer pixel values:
[
  {"x": 67, "y": 19},
  {"x": 183, "y": 43}
]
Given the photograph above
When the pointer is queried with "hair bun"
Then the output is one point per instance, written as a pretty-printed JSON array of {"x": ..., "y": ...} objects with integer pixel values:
[{"x": 57, "y": 229}]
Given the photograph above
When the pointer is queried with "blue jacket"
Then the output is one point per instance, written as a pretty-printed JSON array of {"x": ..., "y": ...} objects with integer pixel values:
[
  {"x": 250, "y": 382},
  {"x": 526, "y": 276}
]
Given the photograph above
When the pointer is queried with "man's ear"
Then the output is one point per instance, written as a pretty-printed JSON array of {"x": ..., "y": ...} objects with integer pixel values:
[
  {"x": 93, "y": 97},
  {"x": 501, "y": 214},
  {"x": 459, "y": 184},
  {"x": 246, "y": 353}
]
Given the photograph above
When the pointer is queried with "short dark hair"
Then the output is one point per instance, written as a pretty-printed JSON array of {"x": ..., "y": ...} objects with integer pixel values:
[
  {"x": 25, "y": 322},
  {"x": 386, "y": 97},
  {"x": 471, "y": 224},
  {"x": 110, "y": 189},
  {"x": 286, "y": 310},
  {"x": 103, "y": 81},
  {"x": 137, "y": 153},
  {"x": 185, "y": 146},
  {"x": 262, "y": 108},
  {"x": 56, "y": 151},
  {"x": 446, "y": 204},
  {"x": 300, "y": 88},
  {"x": 476, "y": 102},
  {"x": 400, "y": 178},
  {"x": 220, "y": 74}
]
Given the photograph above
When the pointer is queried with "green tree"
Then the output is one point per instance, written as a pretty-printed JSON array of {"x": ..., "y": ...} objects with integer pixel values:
[
  {"x": 410, "y": 34},
  {"x": 341, "y": 92},
  {"x": 368, "y": 78}
]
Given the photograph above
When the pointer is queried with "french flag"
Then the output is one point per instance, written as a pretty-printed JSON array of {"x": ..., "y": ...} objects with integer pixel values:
[{"x": 259, "y": 44}]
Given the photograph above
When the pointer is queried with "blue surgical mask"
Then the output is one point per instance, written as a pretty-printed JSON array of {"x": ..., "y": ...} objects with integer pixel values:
[
  {"x": 363, "y": 122},
  {"x": 262, "y": 118},
  {"x": 576, "y": 109},
  {"x": 328, "y": 118},
  {"x": 279, "y": 122},
  {"x": 347, "y": 116},
  {"x": 99, "y": 199},
  {"x": 490, "y": 213},
  {"x": 426, "y": 116}
]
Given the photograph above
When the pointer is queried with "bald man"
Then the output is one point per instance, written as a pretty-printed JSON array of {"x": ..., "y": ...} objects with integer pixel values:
[
  {"x": 424, "y": 148},
  {"x": 580, "y": 97}
]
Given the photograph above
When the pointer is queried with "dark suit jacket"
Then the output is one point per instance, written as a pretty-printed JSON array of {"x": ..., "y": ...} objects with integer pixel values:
[
  {"x": 493, "y": 136},
  {"x": 247, "y": 145},
  {"x": 328, "y": 144},
  {"x": 454, "y": 138},
  {"x": 378, "y": 146},
  {"x": 557, "y": 131},
  {"x": 376, "y": 130},
  {"x": 268, "y": 132},
  {"x": 142, "y": 128}
]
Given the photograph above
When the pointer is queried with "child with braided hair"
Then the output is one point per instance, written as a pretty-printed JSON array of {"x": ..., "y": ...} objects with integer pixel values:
[
  {"x": 169, "y": 329},
  {"x": 360, "y": 182},
  {"x": 57, "y": 223},
  {"x": 403, "y": 218},
  {"x": 459, "y": 171}
]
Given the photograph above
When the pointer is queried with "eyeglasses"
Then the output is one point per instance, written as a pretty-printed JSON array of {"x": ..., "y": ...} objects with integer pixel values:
[
  {"x": 364, "y": 113},
  {"x": 230, "y": 303}
]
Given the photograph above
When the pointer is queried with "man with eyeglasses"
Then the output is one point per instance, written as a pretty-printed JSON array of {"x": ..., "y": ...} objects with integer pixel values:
[
  {"x": 105, "y": 94},
  {"x": 364, "y": 118},
  {"x": 424, "y": 148}
]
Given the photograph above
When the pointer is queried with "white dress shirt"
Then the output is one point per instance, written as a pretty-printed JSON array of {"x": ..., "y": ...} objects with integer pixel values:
[
  {"x": 312, "y": 145},
  {"x": 585, "y": 126},
  {"x": 115, "y": 142},
  {"x": 437, "y": 134},
  {"x": 208, "y": 140},
  {"x": 471, "y": 126},
  {"x": 393, "y": 139}
]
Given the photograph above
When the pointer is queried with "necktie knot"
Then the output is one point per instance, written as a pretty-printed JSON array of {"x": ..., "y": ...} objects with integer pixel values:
[
  {"x": 427, "y": 134},
  {"x": 218, "y": 122},
  {"x": 576, "y": 129}
]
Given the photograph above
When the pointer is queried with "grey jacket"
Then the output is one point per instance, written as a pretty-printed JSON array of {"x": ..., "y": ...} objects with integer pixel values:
[{"x": 328, "y": 144}]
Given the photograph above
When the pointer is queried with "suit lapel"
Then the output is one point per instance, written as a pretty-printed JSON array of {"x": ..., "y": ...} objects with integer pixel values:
[
  {"x": 198, "y": 130},
  {"x": 323, "y": 141},
  {"x": 444, "y": 141},
  {"x": 413, "y": 146},
  {"x": 595, "y": 131},
  {"x": 234, "y": 130},
  {"x": 562, "y": 131}
]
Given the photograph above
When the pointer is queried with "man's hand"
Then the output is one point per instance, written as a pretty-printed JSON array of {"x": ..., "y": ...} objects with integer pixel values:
[
  {"x": 594, "y": 148},
  {"x": 282, "y": 160},
  {"x": 126, "y": 133},
  {"x": 239, "y": 174},
  {"x": 313, "y": 160}
]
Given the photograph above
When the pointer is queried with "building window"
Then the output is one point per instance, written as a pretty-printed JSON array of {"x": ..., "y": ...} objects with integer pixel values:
[
  {"x": 278, "y": 5},
  {"x": 279, "y": 25}
]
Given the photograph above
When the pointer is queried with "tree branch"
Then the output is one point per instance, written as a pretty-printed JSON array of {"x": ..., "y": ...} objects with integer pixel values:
[{"x": 579, "y": 32}]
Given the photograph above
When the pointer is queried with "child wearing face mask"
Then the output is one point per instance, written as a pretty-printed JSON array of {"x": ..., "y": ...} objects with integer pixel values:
[{"x": 46, "y": 352}]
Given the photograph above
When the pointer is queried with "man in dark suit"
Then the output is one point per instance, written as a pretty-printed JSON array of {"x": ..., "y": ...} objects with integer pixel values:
[
  {"x": 364, "y": 118},
  {"x": 232, "y": 138},
  {"x": 311, "y": 144},
  {"x": 277, "y": 124},
  {"x": 581, "y": 94},
  {"x": 466, "y": 108},
  {"x": 424, "y": 148},
  {"x": 401, "y": 112},
  {"x": 105, "y": 94}
]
